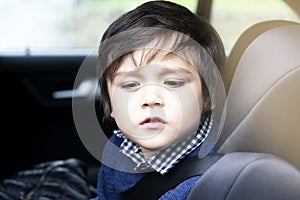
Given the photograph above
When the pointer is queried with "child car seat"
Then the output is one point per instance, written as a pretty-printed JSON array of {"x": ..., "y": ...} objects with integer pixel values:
[
  {"x": 263, "y": 110},
  {"x": 261, "y": 134}
]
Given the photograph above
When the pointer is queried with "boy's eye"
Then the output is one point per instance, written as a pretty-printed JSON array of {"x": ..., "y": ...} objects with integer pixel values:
[
  {"x": 130, "y": 85},
  {"x": 174, "y": 83}
]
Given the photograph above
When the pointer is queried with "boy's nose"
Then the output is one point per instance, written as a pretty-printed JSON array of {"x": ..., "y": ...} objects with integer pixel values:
[
  {"x": 152, "y": 97},
  {"x": 153, "y": 102}
]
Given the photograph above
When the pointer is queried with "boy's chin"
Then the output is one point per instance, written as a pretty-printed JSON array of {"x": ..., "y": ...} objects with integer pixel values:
[{"x": 153, "y": 146}]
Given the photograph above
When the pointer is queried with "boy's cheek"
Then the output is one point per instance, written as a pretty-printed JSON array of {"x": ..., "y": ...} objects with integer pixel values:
[{"x": 119, "y": 102}]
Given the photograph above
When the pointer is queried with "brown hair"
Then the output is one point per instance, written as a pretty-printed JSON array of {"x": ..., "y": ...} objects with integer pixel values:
[{"x": 156, "y": 21}]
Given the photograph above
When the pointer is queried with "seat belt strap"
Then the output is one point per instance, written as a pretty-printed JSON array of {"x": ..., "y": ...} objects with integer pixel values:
[{"x": 154, "y": 185}]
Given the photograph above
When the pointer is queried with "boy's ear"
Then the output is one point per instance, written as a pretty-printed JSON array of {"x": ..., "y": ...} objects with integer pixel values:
[
  {"x": 207, "y": 104},
  {"x": 112, "y": 114}
]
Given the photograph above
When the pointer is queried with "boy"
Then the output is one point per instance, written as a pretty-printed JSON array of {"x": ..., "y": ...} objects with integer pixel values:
[{"x": 156, "y": 65}]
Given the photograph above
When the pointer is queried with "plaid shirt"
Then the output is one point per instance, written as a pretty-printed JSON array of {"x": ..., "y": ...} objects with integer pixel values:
[{"x": 163, "y": 160}]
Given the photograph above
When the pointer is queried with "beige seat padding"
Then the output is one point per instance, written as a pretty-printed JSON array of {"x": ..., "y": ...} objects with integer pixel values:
[
  {"x": 263, "y": 102},
  {"x": 242, "y": 43}
]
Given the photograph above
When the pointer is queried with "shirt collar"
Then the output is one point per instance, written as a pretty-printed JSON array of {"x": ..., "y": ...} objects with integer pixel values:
[{"x": 163, "y": 160}]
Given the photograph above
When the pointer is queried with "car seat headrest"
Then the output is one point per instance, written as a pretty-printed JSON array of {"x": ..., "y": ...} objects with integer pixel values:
[
  {"x": 242, "y": 43},
  {"x": 263, "y": 110}
]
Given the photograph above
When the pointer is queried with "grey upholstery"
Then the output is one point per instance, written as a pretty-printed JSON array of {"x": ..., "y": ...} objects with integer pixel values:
[
  {"x": 248, "y": 176},
  {"x": 263, "y": 109},
  {"x": 261, "y": 134}
]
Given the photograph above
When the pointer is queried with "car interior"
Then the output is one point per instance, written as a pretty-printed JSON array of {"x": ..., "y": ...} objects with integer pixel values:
[
  {"x": 261, "y": 133},
  {"x": 267, "y": 113},
  {"x": 262, "y": 79}
]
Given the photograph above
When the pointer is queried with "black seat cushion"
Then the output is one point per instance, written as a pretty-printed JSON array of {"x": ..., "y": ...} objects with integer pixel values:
[{"x": 249, "y": 176}]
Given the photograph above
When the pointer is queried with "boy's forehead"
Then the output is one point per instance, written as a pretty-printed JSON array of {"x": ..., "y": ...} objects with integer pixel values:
[{"x": 157, "y": 59}]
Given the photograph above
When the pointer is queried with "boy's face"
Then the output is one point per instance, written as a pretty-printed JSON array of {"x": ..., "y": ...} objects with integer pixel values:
[{"x": 156, "y": 104}]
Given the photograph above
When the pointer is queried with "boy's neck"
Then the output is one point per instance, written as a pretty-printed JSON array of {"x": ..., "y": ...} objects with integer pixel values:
[{"x": 147, "y": 153}]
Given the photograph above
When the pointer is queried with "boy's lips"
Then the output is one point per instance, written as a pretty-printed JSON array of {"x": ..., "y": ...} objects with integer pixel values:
[{"x": 153, "y": 123}]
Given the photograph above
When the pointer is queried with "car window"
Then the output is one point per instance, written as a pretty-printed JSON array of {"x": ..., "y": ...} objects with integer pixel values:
[
  {"x": 54, "y": 26},
  {"x": 232, "y": 17}
]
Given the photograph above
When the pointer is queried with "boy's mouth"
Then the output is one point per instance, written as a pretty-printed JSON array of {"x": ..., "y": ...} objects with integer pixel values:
[{"x": 153, "y": 123}]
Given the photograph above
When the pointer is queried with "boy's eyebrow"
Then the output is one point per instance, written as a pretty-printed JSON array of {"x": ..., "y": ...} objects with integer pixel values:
[
  {"x": 130, "y": 73},
  {"x": 162, "y": 72},
  {"x": 166, "y": 71}
]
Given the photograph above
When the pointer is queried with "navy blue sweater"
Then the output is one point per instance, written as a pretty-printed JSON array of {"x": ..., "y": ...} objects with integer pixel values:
[{"x": 113, "y": 183}]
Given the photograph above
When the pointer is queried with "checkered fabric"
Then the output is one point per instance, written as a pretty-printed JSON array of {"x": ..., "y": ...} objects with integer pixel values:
[{"x": 163, "y": 160}]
